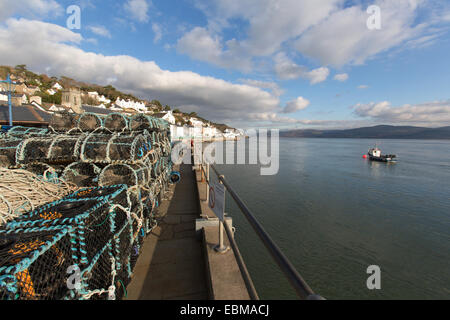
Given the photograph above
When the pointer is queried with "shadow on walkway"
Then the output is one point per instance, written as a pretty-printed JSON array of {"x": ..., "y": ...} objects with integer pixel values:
[{"x": 171, "y": 265}]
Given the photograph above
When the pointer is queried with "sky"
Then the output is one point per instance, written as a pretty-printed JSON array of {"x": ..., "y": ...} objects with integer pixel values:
[{"x": 284, "y": 64}]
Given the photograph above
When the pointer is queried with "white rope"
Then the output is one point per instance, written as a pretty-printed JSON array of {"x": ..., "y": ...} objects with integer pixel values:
[{"x": 21, "y": 191}]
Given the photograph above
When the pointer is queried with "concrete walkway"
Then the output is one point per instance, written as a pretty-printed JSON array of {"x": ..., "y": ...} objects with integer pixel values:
[{"x": 171, "y": 265}]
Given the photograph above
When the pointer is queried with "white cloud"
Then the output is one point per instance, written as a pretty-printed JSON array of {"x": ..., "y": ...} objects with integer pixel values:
[
  {"x": 342, "y": 77},
  {"x": 363, "y": 86},
  {"x": 157, "y": 31},
  {"x": 138, "y": 9},
  {"x": 201, "y": 45},
  {"x": 332, "y": 32},
  {"x": 32, "y": 8},
  {"x": 343, "y": 38},
  {"x": 296, "y": 105},
  {"x": 46, "y": 47},
  {"x": 276, "y": 90},
  {"x": 271, "y": 22},
  {"x": 286, "y": 69},
  {"x": 100, "y": 30},
  {"x": 318, "y": 75},
  {"x": 432, "y": 113}
]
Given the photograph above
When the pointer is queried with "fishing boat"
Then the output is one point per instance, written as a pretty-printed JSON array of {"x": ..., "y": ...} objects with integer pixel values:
[{"x": 375, "y": 155}]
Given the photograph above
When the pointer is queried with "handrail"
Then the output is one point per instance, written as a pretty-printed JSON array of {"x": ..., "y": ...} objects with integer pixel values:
[
  {"x": 240, "y": 261},
  {"x": 298, "y": 283}
]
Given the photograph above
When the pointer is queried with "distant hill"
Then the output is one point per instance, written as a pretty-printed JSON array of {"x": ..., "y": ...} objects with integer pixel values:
[{"x": 377, "y": 132}]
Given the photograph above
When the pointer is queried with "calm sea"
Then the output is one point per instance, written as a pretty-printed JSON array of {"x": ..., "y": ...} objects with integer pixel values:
[{"x": 334, "y": 214}]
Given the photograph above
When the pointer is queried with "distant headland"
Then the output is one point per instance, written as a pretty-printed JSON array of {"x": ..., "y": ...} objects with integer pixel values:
[{"x": 377, "y": 132}]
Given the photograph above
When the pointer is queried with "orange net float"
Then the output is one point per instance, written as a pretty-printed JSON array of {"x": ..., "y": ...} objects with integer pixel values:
[
  {"x": 50, "y": 215},
  {"x": 25, "y": 282}
]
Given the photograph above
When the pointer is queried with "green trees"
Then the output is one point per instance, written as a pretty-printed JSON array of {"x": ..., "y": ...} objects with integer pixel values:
[
  {"x": 156, "y": 102},
  {"x": 56, "y": 98},
  {"x": 21, "y": 68}
]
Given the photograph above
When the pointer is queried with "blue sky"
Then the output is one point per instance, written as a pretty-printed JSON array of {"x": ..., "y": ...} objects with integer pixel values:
[{"x": 249, "y": 63}]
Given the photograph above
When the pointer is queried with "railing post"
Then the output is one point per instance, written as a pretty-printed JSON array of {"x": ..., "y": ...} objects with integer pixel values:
[
  {"x": 207, "y": 182},
  {"x": 221, "y": 248}
]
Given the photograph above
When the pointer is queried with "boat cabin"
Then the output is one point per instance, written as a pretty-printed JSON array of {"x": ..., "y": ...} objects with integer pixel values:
[{"x": 375, "y": 152}]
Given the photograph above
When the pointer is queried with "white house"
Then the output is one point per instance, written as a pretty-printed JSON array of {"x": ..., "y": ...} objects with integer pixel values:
[
  {"x": 231, "y": 134},
  {"x": 57, "y": 86},
  {"x": 196, "y": 123},
  {"x": 103, "y": 99},
  {"x": 3, "y": 96},
  {"x": 37, "y": 99},
  {"x": 169, "y": 117},
  {"x": 93, "y": 95},
  {"x": 137, "y": 106},
  {"x": 209, "y": 132},
  {"x": 23, "y": 98},
  {"x": 55, "y": 108},
  {"x": 51, "y": 92}
]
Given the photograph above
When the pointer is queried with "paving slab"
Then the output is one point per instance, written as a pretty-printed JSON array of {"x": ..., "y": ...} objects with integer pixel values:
[{"x": 171, "y": 265}]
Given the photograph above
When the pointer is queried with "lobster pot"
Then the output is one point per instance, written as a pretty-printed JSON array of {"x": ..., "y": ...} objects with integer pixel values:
[
  {"x": 8, "y": 150},
  {"x": 156, "y": 169},
  {"x": 107, "y": 192},
  {"x": 82, "y": 174},
  {"x": 41, "y": 169},
  {"x": 97, "y": 277},
  {"x": 116, "y": 122},
  {"x": 175, "y": 177},
  {"x": 79, "y": 207},
  {"x": 33, "y": 265},
  {"x": 122, "y": 253},
  {"x": 141, "y": 122},
  {"x": 20, "y": 132},
  {"x": 138, "y": 227},
  {"x": 155, "y": 137},
  {"x": 162, "y": 125},
  {"x": 95, "y": 221},
  {"x": 148, "y": 204},
  {"x": 137, "y": 175},
  {"x": 63, "y": 121},
  {"x": 89, "y": 122},
  {"x": 135, "y": 199},
  {"x": 65, "y": 148},
  {"x": 115, "y": 195},
  {"x": 115, "y": 148},
  {"x": 60, "y": 148},
  {"x": 33, "y": 150}
]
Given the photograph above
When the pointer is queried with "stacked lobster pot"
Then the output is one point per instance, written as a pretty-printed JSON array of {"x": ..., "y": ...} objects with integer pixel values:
[{"x": 121, "y": 166}]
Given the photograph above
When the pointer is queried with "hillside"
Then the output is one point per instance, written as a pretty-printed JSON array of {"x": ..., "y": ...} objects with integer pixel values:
[
  {"x": 44, "y": 82},
  {"x": 377, "y": 132}
]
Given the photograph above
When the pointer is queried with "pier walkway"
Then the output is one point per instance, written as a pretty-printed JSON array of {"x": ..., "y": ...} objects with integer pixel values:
[{"x": 171, "y": 265}]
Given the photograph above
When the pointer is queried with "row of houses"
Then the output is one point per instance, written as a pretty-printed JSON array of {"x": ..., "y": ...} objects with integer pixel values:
[
  {"x": 36, "y": 114},
  {"x": 29, "y": 110}
]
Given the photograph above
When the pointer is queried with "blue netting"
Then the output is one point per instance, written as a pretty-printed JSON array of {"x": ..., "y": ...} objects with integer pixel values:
[{"x": 122, "y": 167}]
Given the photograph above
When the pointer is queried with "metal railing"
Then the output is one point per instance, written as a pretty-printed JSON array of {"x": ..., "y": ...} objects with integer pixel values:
[{"x": 295, "y": 279}]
